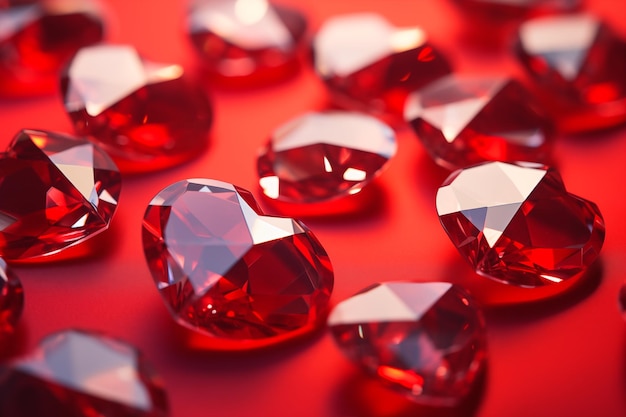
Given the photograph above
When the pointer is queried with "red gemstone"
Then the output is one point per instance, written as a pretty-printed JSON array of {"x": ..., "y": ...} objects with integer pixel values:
[
  {"x": 321, "y": 156},
  {"x": 465, "y": 120},
  {"x": 514, "y": 8},
  {"x": 55, "y": 191},
  {"x": 77, "y": 374},
  {"x": 11, "y": 299},
  {"x": 38, "y": 37},
  {"x": 579, "y": 66},
  {"x": 246, "y": 41},
  {"x": 225, "y": 270},
  {"x": 371, "y": 65},
  {"x": 145, "y": 115},
  {"x": 425, "y": 340},
  {"x": 518, "y": 225}
]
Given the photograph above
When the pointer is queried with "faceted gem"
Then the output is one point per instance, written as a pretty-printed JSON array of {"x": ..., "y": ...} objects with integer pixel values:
[
  {"x": 579, "y": 66},
  {"x": 465, "y": 120},
  {"x": 38, "y": 37},
  {"x": 425, "y": 340},
  {"x": 246, "y": 40},
  {"x": 321, "y": 156},
  {"x": 76, "y": 374},
  {"x": 369, "y": 64},
  {"x": 518, "y": 225},
  {"x": 55, "y": 191},
  {"x": 11, "y": 299},
  {"x": 225, "y": 270},
  {"x": 145, "y": 115}
]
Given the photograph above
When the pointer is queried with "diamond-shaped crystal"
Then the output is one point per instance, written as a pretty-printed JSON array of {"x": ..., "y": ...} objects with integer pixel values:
[
  {"x": 579, "y": 65},
  {"x": 73, "y": 373},
  {"x": 11, "y": 299},
  {"x": 246, "y": 40},
  {"x": 425, "y": 340},
  {"x": 369, "y": 64},
  {"x": 517, "y": 224},
  {"x": 145, "y": 115},
  {"x": 55, "y": 191},
  {"x": 225, "y": 270},
  {"x": 321, "y": 156},
  {"x": 464, "y": 120},
  {"x": 38, "y": 37}
]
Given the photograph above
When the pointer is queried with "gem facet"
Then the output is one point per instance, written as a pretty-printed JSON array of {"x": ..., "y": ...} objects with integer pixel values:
[
  {"x": 78, "y": 374},
  {"x": 246, "y": 40},
  {"x": 425, "y": 340},
  {"x": 515, "y": 7},
  {"x": 225, "y": 270},
  {"x": 370, "y": 65},
  {"x": 466, "y": 120},
  {"x": 518, "y": 225},
  {"x": 321, "y": 156},
  {"x": 55, "y": 191},
  {"x": 579, "y": 65},
  {"x": 38, "y": 37},
  {"x": 11, "y": 299},
  {"x": 145, "y": 115}
]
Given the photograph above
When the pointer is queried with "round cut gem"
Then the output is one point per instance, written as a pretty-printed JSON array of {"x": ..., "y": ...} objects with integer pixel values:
[
  {"x": 145, "y": 115},
  {"x": 246, "y": 40},
  {"x": 579, "y": 65},
  {"x": 425, "y": 340},
  {"x": 73, "y": 373},
  {"x": 463, "y": 120},
  {"x": 518, "y": 225},
  {"x": 225, "y": 270},
  {"x": 55, "y": 191},
  {"x": 321, "y": 156},
  {"x": 11, "y": 299},
  {"x": 38, "y": 37},
  {"x": 368, "y": 64}
]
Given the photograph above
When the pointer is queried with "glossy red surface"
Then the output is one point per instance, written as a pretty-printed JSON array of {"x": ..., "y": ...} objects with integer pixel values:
[{"x": 558, "y": 357}]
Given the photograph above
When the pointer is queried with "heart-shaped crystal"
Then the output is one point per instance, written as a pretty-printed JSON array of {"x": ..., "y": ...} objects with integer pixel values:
[{"x": 231, "y": 273}]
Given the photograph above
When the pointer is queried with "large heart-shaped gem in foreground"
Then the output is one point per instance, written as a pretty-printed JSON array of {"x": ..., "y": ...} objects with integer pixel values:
[
  {"x": 55, "y": 191},
  {"x": 225, "y": 270}
]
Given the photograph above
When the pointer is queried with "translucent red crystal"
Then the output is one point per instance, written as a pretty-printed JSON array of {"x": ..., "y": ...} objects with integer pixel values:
[
  {"x": 242, "y": 279},
  {"x": 38, "y": 37},
  {"x": 76, "y": 374},
  {"x": 425, "y": 340},
  {"x": 246, "y": 41},
  {"x": 321, "y": 156},
  {"x": 517, "y": 224},
  {"x": 145, "y": 115},
  {"x": 579, "y": 66},
  {"x": 55, "y": 191},
  {"x": 368, "y": 64},
  {"x": 464, "y": 120},
  {"x": 11, "y": 299}
]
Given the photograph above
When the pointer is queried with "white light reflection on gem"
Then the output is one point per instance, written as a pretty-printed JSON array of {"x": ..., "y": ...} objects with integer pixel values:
[
  {"x": 353, "y": 174},
  {"x": 270, "y": 186},
  {"x": 250, "y": 12},
  {"x": 407, "y": 39}
]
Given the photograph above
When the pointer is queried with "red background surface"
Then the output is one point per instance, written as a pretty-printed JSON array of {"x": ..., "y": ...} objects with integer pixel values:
[{"x": 560, "y": 357}]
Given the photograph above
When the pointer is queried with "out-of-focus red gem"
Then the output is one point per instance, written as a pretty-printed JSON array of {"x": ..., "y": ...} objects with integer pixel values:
[
  {"x": 516, "y": 8},
  {"x": 38, "y": 37},
  {"x": 465, "y": 120},
  {"x": 368, "y": 64},
  {"x": 622, "y": 299},
  {"x": 425, "y": 340},
  {"x": 77, "y": 374},
  {"x": 225, "y": 270},
  {"x": 518, "y": 225},
  {"x": 246, "y": 42},
  {"x": 321, "y": 156},
  {"x": 579, "y": 66},
  {"x": 11, "y": 299},
  {"x": 55, "y": 191},
  {"x": 145, "y": 115}
]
